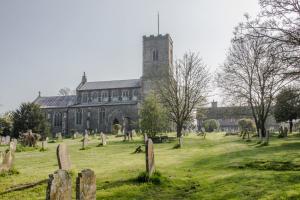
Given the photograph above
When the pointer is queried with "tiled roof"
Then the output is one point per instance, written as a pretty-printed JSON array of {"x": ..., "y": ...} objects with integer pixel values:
[
  {"x": 56, "y": 101},
  {"x": 111, "y": 84}
]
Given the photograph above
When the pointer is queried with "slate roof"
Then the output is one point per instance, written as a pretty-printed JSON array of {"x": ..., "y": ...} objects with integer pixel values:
[
  {"x": 131, "y": 83},
  {"x": 56, "y": 101}
]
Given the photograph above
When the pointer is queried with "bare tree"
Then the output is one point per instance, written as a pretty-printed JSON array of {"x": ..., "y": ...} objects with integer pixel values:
[
  {"x": 279, "y": 21},
  {"x": 253, "y": 75},
  {"x": 184, "y": 88},
  {"x": 65, "y": 92}
]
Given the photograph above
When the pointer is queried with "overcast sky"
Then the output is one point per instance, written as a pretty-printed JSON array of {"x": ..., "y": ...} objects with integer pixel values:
[{"x": 47, "y": 45}]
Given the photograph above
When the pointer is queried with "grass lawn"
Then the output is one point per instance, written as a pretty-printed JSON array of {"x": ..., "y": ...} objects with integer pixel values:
[{"x": 215, "y": 168}]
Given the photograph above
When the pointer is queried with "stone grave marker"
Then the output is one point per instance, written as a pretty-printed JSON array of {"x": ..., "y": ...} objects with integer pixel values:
[
  {"x": 145, "y": 138},
  {"x": 150, "y": 164},
  {"x": 181, "y": 141},
  {"x": 86, "y": 185},
  {"x": 103, "y": 139},
  {"x": 59, "y": 186},
  {"x": 7, "y": 139},
  {"x": 44, "y": 145},
  {"x": 59, "y": 136},
  {"x": 13, "y": 146},
  {"x": 7, "y": 161},
  {"x": 85, "y": 141},
  {"x": 63, "y": 157}
]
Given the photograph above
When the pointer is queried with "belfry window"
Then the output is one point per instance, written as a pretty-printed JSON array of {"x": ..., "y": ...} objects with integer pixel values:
[
  {"x": 155, "y": 55},
  {"x": 78, "y": 116},
  {"x": 125, "y": 95}
]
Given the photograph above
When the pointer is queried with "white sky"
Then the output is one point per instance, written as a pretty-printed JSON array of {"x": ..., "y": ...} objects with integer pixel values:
[{"x": 47, "y": 44}]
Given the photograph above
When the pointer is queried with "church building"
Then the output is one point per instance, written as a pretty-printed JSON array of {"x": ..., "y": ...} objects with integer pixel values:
[{"x": 97, "y": 106}]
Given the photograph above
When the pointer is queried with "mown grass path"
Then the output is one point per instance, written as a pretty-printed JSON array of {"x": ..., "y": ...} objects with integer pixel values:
[{"x": 203, "y": 169}]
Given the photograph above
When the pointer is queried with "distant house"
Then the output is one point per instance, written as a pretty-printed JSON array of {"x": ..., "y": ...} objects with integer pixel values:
[{"x": 229, "y": 116}]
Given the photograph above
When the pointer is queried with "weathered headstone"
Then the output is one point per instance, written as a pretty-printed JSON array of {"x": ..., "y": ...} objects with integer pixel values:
[
  {"x": 103, "y": 139},
  {"x": 7, "y": 162},
  {"x": 59, "y": 186},
  {"x": 181, "y": 142},
  {"x": 85, "y": 141},
  {"x": 86, "y": 185},
  {"x": 59, "y": 136},
  {"x": 13, "y": 146},
  {"x": 44, "y": 145},
  {"x": 63, "y": 157},
  {"x": 7, "y": 139},
  {"x": 145, "y": 138},
  {"x": 150, "y": 164}
]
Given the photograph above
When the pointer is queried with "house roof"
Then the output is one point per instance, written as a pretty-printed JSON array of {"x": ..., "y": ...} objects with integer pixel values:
[
  {"x": 56, "y": 101},
  {"x": 111, "y": 84}
]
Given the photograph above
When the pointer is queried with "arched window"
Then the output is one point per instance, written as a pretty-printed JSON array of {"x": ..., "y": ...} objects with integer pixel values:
[
  {"x": 94, "y": 96},
  {"x": 101, "y": 115},
  {"x": 84, "y": 98},
  {"x": 135, "y": 94},
  {"x": 78, "y": 116},
  {"x": 125, "y": 95},
  {"x": 115, "y": 95},
  {"x": 155, "y": 55},
  {"x": 104, "y": 96},
  {"x": 57, "y": 119}
]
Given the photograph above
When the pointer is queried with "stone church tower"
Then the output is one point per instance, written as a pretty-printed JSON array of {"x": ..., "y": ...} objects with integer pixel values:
[{"x": 157, "y": 60}]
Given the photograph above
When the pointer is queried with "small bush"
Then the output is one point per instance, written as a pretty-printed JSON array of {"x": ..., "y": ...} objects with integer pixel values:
[
  {"x": 21, "y": 148},
  {"x": 10, "y": 172},
  {"x": 156, "y": 178}
]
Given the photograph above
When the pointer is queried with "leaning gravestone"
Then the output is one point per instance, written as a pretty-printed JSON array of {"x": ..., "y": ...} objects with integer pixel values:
[
  {"x": 145, "y": 138},
  {"x": 86, "y": 185},
  {"x": 103, "y": 139},
  {"x": 63, "y": 157},
  {"x": 150, "y": 165},
  {"x": 59, "y": 186},
  {"x": 7, "y": 163}
]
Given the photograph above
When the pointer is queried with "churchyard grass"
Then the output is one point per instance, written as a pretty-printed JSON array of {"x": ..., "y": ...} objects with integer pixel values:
[{"x": 211, "y": 168}]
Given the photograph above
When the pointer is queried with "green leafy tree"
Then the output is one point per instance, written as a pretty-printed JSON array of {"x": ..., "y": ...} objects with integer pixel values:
[
  {"x": 29, "y": 116},
  {"x": 210, "y": 125},
  {"x": 153, "y": 116},
  {"x": 287, "y": 106},
  {"x": 6, "y": 124}
]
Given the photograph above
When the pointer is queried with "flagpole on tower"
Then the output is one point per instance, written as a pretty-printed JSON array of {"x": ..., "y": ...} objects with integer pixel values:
[{"x": 157, "y": 23}]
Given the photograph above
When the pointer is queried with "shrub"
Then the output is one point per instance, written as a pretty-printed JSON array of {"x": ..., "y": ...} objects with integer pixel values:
[{"x": 210, "y": 125}]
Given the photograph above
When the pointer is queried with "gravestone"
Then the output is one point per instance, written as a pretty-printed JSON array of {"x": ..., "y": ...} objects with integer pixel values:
[
  {"x": 86, "y": 185},
  {"x": 285, "y": 131},
  {"x": 1, "y": 157},
  {"x": 133, "y": 133},
  {"x": 145, "y": 138},
  {"x": 150, "y": 164},
  {"x": 85, "y": 141},
  {"x": 7, "y": 161},
  {"x": 7, "y": 139},
  {"x": 181, "y": 141},
  {"x": 12, "y": 146},
  {"x": 44, "y": 145},
  {"x": 59, "y": 136},
  {"x": 63, "y": 157},
  {"x": 103, "y": 139},
  {"x": 59, "y": 186}
]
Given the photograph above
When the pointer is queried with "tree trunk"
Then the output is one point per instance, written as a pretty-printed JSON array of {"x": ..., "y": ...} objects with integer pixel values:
[
  {"x": 291, "y": 126},
  {"x": 178, "y": 131}
]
